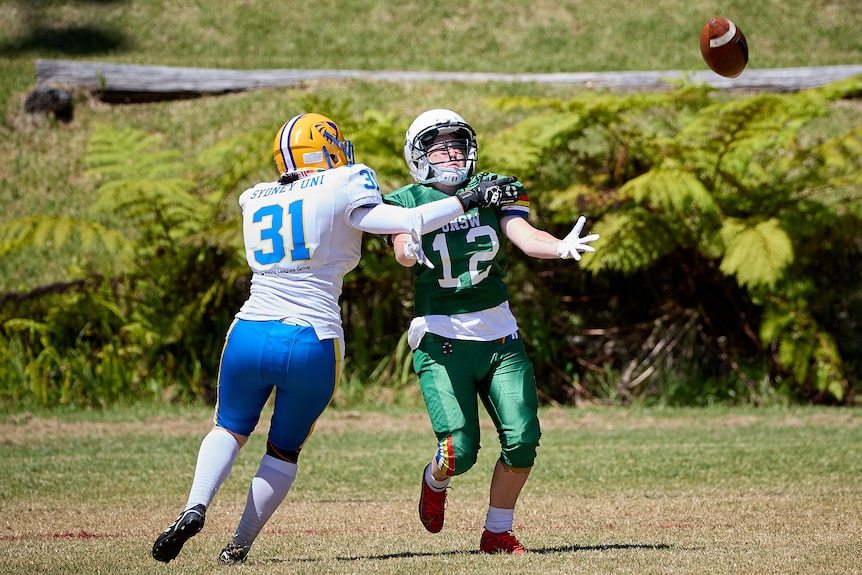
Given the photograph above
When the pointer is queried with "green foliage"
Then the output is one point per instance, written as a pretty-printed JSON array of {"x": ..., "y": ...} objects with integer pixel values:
[
  {"x": 166, "y": 266},
  {"x": 595, "y": 139},
  {"x": 672, "y": 191},
  {"x": 379, "y": 142},
  {"x": 727, "y": 271},
  {"x": 150, "y": 328},
  {"x": 630, "y": 241},
  {"x": 56, "y": 232},
  {"x": 390, "y": 382},
  {"x": 757, "y": 255},
  {"x": 737, "y": 195},
  {"x": 183, "y": 276}
]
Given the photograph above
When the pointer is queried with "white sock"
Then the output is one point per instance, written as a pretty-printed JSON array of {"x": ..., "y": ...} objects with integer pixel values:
[
  {"x": 268, "y": 489},
  {"x": 498, "y": 520},
  {"x": 435, "y": 484},
  {"x": 215, "y": 460}
]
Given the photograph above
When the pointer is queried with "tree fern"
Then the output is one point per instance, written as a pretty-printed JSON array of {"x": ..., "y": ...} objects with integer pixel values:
[
  {"x": 167, "y": 310},
  {"x": 524, "y": 148},
  {"x": 672, "y": 191},
  {"x": 629, "y": 242},
  {"x": 842, "y": 169},
  {"x": 731, "y": 145},
  {"x": 757, "y": 255},
  {"x": 728, "y": 186},
  {"x": 566, "y": 205},
  {"x": 809, "y": 354},
  {"x": 55, "y": 232},
  {"x": 151, "y": 192},
  {"x": 723, "y": 213}
]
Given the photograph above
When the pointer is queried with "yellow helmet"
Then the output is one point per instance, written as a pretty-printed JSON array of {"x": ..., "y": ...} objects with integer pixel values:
[{"x": 311, "y": 142}]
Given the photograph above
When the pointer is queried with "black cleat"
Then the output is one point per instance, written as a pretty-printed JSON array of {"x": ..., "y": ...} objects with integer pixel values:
[
  {"x": 233, "y": 554},
  {"x": 170, "y": 542}
]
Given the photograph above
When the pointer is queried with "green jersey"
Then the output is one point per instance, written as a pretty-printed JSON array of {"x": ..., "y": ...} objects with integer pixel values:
[{"x": 468, "y": 254}]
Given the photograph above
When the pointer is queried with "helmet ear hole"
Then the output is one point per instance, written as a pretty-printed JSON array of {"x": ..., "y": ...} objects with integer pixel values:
[{"x": 423, "y": 167}]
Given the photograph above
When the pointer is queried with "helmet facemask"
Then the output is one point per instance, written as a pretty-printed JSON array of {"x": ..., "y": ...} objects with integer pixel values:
[
  {"x": 333, "y": 159},
  {"x": 461, "y": 149}
]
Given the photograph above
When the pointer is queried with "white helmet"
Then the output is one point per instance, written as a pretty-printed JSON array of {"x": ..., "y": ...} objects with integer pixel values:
[{"x": 422, "y": 132}]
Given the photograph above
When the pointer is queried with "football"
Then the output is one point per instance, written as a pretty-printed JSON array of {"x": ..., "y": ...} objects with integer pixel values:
[{"x": 724, "y": 47}]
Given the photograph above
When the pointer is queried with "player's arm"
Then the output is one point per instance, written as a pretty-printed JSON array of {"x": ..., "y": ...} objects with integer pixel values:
[
  {"x": 385, "y": 219},
  {"x": 541, "y": 244},
  {"x": 399, "y": 243},
  {"x": 388, "y": 219},
  {"x": 532, "y": 241}
]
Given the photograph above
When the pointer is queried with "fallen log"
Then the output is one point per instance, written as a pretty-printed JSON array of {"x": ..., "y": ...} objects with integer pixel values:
[{"x": 137, "y": 83}]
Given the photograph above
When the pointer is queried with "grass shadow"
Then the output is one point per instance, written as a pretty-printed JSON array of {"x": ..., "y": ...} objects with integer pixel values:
[
  {"x": 72, "y": 41},
  {"x": 43, "y": 38},
  {"x": 531, "y": 551}
]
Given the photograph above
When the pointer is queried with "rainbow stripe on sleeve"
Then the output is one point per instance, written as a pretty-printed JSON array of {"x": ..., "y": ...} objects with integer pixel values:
[{"x": 521, "y": 208}]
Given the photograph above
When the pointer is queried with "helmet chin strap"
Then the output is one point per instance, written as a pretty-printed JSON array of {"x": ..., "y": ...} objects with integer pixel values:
[{"x": 449, "y": 177}]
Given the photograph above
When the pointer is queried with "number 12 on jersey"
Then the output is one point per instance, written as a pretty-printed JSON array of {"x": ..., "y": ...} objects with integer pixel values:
[{"x": 476, "y": 271}]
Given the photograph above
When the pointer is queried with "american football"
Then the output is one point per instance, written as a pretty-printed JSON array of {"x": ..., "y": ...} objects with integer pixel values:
[{"x": 724, "y": 47}]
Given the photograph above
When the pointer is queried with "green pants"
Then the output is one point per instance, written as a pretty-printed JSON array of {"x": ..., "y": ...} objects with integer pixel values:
[{"x": 453, "y": 373}]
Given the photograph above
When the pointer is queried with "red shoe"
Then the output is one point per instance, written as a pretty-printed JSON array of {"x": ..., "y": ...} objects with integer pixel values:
[
  {"x": 432, "y": 506},
  {"x": 503, "y": 542}
]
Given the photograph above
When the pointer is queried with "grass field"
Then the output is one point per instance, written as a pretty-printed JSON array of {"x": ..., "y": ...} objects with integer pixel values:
[{"x": 614, "y": 491}]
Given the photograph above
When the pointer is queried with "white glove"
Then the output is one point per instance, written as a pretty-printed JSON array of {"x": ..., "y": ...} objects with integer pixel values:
[
  {"x": 573, "y": 244},
  {"x": 413, "y": 249}
]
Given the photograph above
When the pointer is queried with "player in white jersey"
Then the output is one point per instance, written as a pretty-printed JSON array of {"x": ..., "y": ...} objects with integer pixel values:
[{"x": 302, "y": 234}]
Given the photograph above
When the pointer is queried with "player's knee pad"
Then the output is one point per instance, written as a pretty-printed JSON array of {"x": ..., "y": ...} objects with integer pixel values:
[
  {"x": 289, "y": 455},
  {"x": 521, "y": 452},
  {"x": 519, "y": 457},
  {"x": 457, "y": 453}
]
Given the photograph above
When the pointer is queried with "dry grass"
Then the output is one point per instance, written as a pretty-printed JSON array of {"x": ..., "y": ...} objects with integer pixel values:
[{"x": 615, "y": 491}]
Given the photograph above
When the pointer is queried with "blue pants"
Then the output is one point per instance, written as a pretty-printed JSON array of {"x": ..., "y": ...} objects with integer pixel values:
[{"x": 260, "y": 356}]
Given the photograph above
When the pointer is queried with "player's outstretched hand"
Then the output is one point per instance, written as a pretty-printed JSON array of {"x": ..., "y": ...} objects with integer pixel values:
[
  {"x": 573, "y": 244},
  {"x": 413, "y": 249},
  {"x": 487, "y": 193}
]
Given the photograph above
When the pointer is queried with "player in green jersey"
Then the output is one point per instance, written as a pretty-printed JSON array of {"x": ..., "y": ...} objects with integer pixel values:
[{"x": 465, "y": 339}]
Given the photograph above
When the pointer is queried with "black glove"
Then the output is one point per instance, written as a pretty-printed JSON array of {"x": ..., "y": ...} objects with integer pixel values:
[{"x": 486, "y": 193}]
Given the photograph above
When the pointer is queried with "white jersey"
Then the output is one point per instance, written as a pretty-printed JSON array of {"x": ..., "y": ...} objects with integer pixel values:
[{"x": 300, "y": 244}]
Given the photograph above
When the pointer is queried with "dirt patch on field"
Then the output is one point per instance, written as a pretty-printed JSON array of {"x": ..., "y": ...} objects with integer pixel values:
[
  {"x": 624, "y": 419},
  {"x": 23, "y": 428}
]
